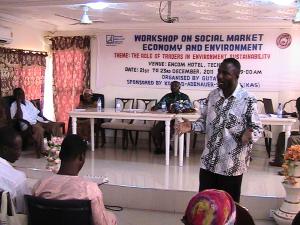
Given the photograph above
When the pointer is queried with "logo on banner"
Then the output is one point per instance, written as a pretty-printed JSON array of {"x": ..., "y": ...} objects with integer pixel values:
[
  {"x": 284, "y": 40},
  {"x": 113, "y": 40}
]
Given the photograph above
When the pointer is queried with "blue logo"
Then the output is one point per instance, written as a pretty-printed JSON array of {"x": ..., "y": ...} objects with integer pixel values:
[{"x": 113, "y": 40}]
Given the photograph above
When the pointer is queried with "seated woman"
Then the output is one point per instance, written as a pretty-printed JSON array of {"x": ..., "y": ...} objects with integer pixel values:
[
  {"x": 210, "y": 207},
  {"x": 12, "y": 180},
  {"x": 66, "y": 184}
]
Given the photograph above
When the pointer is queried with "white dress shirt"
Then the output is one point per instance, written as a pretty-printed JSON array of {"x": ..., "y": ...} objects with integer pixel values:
[
  {"x": 13, "y": 181},
  {"x": 30, "y": 112},
  {"x": 224, "y": 121}
]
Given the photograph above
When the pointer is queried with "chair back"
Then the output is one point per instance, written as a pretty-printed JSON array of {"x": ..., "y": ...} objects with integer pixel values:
[
  {"x": 36, "y": 103},
  {"x": 7, "y": 101},
  {"x": 290, "y": 106},
  {"x": 243, "y": 217},
  {"x": 127, "y": 103},
  {"x": 260, "y": 106},
  {"x": 296, "y": 220},
  {"x": 58, "y": 212},
  {"x": 146, "y": 104}
]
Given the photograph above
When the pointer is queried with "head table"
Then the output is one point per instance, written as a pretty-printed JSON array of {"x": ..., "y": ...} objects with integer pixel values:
[{"x": 110, "y": 113}]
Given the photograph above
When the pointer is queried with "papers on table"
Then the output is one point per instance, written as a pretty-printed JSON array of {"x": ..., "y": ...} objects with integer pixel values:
[{"x": 79, "y": 110}]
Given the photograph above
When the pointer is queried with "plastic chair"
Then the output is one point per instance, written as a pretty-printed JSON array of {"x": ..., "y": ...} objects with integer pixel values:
[
  {"x": 267, "y": 128},
  {"x": 140, "y": 125},
  {"x": 243, "y": 216},
  {"x": 117, "y": 124},
  {"x": 58, "y": 212}
]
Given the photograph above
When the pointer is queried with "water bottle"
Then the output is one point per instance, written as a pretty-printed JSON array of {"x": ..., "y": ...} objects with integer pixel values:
[
  {"x": 164, "y": 106},
  {"x": 99, "y": 105},
  {"x": 279, "y": 110},
  {"x": 118, "y": 105}
]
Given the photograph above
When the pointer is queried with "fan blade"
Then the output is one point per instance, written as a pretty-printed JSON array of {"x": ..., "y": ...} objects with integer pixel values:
[
  {"x": 98, "y": 21},
  {"x": 67, "y": 17}
]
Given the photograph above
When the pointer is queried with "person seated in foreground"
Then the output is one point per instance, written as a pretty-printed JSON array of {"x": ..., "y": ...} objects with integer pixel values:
[
  {"x": 294, "y": 139},
  {"x": 159, "y": 127},
  {"x": 24, "y": 109},
  {"x": 66, "y": 184},
  {"x": 210, "y": 207},
  {"x": 12, "y": 180}
]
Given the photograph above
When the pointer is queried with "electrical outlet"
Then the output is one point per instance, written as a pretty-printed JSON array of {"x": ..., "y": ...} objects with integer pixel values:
[{"x": 271, "y": 213}]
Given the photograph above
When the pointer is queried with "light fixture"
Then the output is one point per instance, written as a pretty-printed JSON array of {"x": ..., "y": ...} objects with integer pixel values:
[
  {"x": 97, "y": 5},
  {"x": 283, "y": 2}
]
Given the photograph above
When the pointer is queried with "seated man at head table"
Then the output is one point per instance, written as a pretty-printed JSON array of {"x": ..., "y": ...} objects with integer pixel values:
[
  {"x": 12, "y": 180},
  {"x": 159, "y": 127},
  {"x": 83, "y": 125},
  {"x": 66, "y": 184},
  {"x": 24, "y": 109},
  {"x": 294, "y": 139},
  {"x": 3, "y": 117}
]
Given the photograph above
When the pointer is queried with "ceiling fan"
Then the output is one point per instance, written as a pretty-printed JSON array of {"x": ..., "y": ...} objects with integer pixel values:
[
  {"x": 168, "y": 18},
  {"x": 84, "y": 20}
]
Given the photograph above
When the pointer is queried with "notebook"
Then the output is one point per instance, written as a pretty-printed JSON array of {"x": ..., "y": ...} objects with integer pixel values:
[{"x": 268, "y": 105}]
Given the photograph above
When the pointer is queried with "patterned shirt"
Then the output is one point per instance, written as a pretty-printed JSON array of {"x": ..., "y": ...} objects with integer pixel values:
[
  {"x": 224, "y": 121},
  {"x": 172, "y": 98}
]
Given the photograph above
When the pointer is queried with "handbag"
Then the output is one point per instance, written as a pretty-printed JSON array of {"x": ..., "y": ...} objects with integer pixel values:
[{"x": 15, "y": 218}]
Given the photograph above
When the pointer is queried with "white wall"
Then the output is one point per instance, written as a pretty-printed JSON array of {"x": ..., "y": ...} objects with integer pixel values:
[{"x": 25, "y": 37}]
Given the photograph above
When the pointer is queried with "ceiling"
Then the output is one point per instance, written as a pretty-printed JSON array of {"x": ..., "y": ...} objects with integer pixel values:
[{"x": 41, "y": 13}]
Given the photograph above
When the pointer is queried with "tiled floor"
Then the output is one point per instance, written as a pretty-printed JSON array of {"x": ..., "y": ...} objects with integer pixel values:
[
  {"x": 144, "y": 217},
  {"x": 140, "y": 168}
]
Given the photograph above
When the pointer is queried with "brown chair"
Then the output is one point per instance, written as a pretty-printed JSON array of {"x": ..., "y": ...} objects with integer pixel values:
[
  {"x": 140, "y": 125},
  {"x": 243, "y": 217},
  {"x": 116, "y": 124}
]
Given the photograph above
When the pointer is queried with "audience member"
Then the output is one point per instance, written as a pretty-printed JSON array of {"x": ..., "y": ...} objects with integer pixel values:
[
  {"x": 231, "y": 124},
  {"x": 12, "y": 180},
  {"x": 24, "y": 109},
  {"x": 294, "y": 139},
  {"x": 159, "y": 127},
  {"x": 66, "y": 184},
  {"x": 210, "y": 207}
]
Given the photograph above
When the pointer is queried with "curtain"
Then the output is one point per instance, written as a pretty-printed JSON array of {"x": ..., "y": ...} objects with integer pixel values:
[
  {"x": 71, "y": 73},
  {"x": 22, "y": 68}
]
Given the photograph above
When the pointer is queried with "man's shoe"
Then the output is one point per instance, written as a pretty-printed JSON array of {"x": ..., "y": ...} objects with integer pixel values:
[{"x": 277, "y": 164}]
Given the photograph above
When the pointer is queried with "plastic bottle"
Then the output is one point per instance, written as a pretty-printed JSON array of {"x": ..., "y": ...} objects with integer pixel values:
[
  {"x": 99, "y": 105},
  {"x": 118, "y": 105},
  {"x": 164, "y": 106},
  {"x": 279, "y": 110}
]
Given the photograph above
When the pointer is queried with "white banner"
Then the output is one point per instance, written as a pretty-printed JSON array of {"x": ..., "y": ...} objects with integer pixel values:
[{"x": 153, "y": 59}]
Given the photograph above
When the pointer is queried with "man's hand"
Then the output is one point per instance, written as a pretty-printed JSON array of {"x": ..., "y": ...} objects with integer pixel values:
[
  {"x": 183, "y": 127},
  {"x": 247, "y": 136}
]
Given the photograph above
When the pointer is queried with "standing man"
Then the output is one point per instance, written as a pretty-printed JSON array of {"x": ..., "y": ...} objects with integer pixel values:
[
  {"x": 159, "y": 127},
  {"x": 232, "y": 124}
]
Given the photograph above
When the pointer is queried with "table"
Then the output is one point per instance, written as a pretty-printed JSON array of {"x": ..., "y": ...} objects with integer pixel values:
[
  {"x": 110, "y": 113},
  {"x": 286, "y": 124}
]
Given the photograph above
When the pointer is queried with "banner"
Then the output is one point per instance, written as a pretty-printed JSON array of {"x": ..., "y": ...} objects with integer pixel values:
[{"x": 153, "y": 59}]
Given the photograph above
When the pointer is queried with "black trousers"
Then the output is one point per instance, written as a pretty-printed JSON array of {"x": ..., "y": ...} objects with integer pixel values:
[
  {"x": 230, "y": 184},
  {"x": 158, "y": 131}
]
